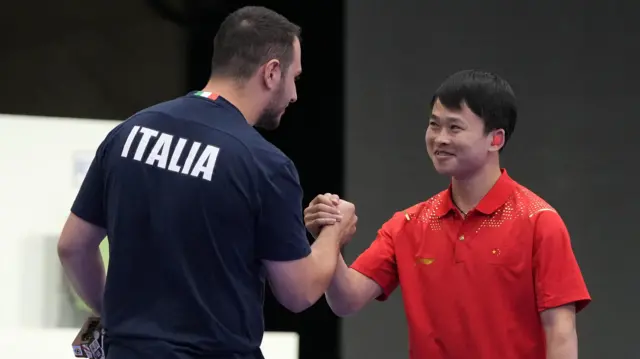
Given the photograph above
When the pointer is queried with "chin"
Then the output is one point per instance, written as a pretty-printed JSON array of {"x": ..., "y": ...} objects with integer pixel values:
[
  {"x": 270, "y": 126},
  {"x": 445, "y": 170},
  {"x": 268, "y": 123}
]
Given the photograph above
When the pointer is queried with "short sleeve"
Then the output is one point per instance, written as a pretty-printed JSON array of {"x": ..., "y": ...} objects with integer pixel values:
[
  {"x": 281, "y": 234},
  {"x": 557, "y": 276},
  {"x": 89, "y": 203},
  {"x": 378, "y": 262}
]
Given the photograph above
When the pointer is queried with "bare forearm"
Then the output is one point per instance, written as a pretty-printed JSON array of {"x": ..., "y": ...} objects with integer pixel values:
[
  {"x": 85, "y": 271},
  {"x": 325, "y": 252},
  {"x": 338, "y": 292},
  {"x": 562, "y": 345}
]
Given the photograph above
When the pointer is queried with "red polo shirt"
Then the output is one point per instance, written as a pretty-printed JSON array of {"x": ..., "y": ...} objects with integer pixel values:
[{"x": 474, "y": 287}]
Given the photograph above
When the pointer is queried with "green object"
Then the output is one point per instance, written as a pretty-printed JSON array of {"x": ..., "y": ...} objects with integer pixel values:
[{"x": 78, "y": 302}]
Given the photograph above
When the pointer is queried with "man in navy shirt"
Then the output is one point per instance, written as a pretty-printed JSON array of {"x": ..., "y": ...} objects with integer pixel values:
[{"x": 200, "y": 210}]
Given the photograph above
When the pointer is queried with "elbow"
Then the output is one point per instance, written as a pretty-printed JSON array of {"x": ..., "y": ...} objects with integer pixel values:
[
  {"x": 296, "y": 304},
  {"x": 66, "y": 251},
  {"x": 303, "y": 303},
  {"x": 295, "y": 299},
  {"x": 562, "y": 341},
  {"x": 303, "y": 297},
  {"x": 298, "y": 307},
  {"x": 562, "y": 337},
  {"x": 342, "y": 313},
  {"x": 343, "y": 309}
]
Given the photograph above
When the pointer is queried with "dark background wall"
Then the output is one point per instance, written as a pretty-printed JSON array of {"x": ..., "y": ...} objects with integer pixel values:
[
  {"x": 87, "y": 59},
  {"x": 573, "y": 65}
]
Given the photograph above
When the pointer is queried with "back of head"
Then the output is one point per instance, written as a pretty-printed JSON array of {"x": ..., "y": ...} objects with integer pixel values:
[
  {"x": 250, "y": 37},
  {"x": 488, "y": 95}
]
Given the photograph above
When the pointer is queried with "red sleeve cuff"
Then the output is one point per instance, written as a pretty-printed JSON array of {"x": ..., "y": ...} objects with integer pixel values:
[
  {"x": 581, "y": 301},
  {"x": 379, "y": 279}
]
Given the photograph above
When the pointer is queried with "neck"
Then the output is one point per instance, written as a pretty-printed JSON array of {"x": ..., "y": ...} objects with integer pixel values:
[
  {"x": 237, "y": 95},
  {"x": 467, "y": 192}
]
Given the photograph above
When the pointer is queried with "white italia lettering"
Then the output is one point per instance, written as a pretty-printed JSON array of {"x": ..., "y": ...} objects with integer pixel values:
[
  {"x": 173, "y": 165},
  {"x": 165, "y": 155},
  {"x": 160, "y": 152},
  {"x": 127, "y": 145},
  {"x": 147, "y": 133},
  {"x": 195, "y": 146},
  {"x": 206, "y": 162}
]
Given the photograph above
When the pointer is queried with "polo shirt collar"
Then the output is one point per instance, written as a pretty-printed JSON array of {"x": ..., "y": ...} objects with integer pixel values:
[
  {"x": 494, "y": 199},
  {"x": 218, "y": 99}
]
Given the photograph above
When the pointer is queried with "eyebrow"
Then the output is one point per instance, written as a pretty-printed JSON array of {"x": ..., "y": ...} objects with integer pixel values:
[{"x": 447, "y": 119}]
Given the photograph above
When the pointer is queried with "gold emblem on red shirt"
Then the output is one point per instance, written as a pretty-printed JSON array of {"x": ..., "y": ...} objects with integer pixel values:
[{"x": 426, "y": 261}]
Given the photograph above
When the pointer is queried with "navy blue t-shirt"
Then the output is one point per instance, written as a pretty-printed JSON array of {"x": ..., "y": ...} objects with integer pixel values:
[{"x": 193, "y": 198}]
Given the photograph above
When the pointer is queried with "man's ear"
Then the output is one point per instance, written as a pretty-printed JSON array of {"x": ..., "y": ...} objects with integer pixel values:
[
  {"x": 272, "y": 74},
  {"x": 497, "y": 139}
]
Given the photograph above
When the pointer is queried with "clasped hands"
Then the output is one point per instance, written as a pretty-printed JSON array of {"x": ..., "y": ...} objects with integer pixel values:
[{"x": 327, "y": 212}]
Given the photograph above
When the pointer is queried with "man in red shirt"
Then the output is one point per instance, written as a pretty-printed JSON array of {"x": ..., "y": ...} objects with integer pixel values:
[{"x": 486, "y": 266}]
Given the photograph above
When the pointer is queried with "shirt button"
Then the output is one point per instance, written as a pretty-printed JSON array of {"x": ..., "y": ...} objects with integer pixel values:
[{"x": 461, "y": 238}]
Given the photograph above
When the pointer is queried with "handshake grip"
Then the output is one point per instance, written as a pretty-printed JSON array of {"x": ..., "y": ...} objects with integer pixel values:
[
  {"x": 327, "y": 212},
  {"x": 89, "y": 343}
]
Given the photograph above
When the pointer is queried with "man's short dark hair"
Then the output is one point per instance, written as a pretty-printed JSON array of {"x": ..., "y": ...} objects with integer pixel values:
[
  {"x": 248, "y": 38},
  {"x": 488, "y": 95}
]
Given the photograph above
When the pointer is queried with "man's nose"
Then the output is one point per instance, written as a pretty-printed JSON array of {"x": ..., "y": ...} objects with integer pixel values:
[{"x": 442, "y": 138}]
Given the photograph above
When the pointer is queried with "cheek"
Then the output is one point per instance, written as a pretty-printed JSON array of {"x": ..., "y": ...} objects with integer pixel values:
[
  {"x": 466, "y": 140},
  {"x": 428, "y": 141},
  {"x": 429, "y": 137},
  {"x": 285, "y": 90},
  {"x": 474, "y": 149}
]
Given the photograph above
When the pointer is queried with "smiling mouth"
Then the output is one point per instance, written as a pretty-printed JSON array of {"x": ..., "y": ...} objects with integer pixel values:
[{"x": 442, "y": 153}]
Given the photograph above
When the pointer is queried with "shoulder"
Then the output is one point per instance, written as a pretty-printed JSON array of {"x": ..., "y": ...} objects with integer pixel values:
[
  {"x": 269, "y": 158},
  {"x": 124, "y": 129},
  {"x": 541, "y": 216},
  {"x": 528, "y": 204},
  {"x": 424, "y": 211},
  {"x": 195, "y": 120},
  {"x": 265, "y": 151},
  {"x": 428, "y": 209},
  {"x": 109, "y": 139}
]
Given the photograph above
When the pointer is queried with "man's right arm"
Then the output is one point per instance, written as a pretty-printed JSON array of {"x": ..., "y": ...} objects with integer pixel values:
[
  {"x": 373, "y": 275},
  {"x": 298, "y": 274},
  {"x": 350, "y": 290},
  {"x": 298, "y": 284}
]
